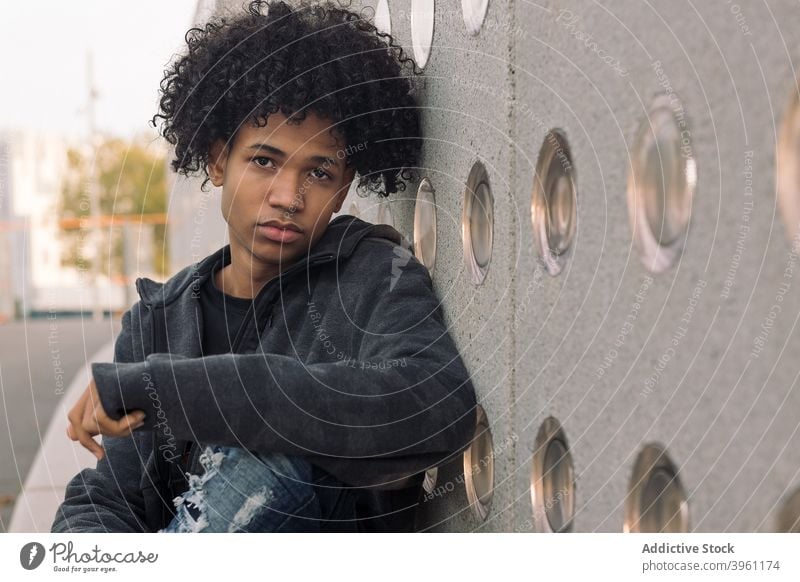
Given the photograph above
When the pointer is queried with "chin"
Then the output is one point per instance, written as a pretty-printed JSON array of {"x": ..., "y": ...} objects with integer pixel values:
[{"x": 274, "y": 255}]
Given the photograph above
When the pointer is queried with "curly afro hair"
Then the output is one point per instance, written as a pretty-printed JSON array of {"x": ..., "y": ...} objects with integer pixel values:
[{"x": 318, "y": 57}]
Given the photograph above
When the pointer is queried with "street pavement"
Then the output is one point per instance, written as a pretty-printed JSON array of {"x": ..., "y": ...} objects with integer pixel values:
[{"x": 39, "y": 358}]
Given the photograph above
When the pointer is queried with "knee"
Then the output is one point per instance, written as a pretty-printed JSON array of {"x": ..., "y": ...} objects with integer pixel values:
[
  {"x": 245, "y": 491},
  {"x": 293, "y": 467},
  {"x": 286, "y": 476}
]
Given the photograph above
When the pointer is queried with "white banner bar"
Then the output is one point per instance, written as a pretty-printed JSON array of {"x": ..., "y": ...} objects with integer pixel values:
[{"x": 389, "y": 557}]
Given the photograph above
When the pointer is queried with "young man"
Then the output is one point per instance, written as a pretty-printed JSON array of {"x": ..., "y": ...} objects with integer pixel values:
[{"x": 302, "y": 377}]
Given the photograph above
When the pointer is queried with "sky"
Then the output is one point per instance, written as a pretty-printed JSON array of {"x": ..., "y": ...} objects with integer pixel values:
[{"x": 43, "y": 62}]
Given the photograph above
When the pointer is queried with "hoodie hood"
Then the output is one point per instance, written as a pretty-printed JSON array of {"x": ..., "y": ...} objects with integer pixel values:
[{"x": 338, "y": 242}]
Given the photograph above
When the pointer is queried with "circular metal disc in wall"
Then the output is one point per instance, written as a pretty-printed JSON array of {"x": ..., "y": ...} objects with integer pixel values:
[
  {"x": 788, "y": 167},
  {"x": 552, "y": 479},
  {"x": 656, "y": 501},
  {"x": 474, "y": 12},
  {"x": 661, "y": 183},
  {"x": 479, "y": 467},
  {"x": 554, "y": 213},
  {"x": 477, "y": 223},
  {"x": 422, "y": 12},
  {"x": 383, "y": 18},
  {"x": 425, "y": 225}
]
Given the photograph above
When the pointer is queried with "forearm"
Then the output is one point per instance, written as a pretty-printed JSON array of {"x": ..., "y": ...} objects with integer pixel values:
[{"x": 274, "y": 403}]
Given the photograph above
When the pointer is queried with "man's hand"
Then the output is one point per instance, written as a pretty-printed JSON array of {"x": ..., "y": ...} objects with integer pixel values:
[{"x": 87, "y": 419}]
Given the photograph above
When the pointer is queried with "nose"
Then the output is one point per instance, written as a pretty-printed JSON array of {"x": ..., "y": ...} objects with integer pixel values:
[{"x": 286, "y": 192}]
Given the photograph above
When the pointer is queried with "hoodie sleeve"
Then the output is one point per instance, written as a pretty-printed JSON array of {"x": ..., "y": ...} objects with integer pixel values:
[
  {"x": 405, "y": 404},
  {"x": 107, "y": 498}
]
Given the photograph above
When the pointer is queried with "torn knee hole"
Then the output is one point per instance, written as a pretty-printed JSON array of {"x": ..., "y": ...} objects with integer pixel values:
[{"x": 249, "y": 508}]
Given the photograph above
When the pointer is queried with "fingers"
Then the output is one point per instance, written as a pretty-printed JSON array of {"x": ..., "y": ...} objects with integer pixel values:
[
  {"x": 76, "y": 430},
  {"x": 88, "y": 419},
  {"x": 96, "y": 421},
  {"x": 85, "y": 438},
  {"x": 119, "y": 428},
  {"x": 132, "y": 421},
  {"x": 91, "y": 445},
  {"x": 75, "y": 417}
]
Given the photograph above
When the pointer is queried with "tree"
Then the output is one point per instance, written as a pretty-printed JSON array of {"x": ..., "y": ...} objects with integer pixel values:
[{"x": 130, "y": 181}]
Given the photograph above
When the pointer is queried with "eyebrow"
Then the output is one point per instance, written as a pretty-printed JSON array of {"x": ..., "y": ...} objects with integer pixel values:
[{"x": 319, "y": 159}]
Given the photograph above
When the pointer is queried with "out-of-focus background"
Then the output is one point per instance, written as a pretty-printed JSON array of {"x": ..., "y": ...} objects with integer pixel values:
[{"x": 83, "y": 199}]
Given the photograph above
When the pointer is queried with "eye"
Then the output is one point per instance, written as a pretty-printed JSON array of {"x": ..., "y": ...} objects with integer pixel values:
[
  {"x": 262, "y": 161},
  {"x": 321, "y": 175}
]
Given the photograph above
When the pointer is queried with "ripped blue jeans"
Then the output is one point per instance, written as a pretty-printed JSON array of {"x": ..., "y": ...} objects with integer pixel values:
[{"x": 243, "y": 491}]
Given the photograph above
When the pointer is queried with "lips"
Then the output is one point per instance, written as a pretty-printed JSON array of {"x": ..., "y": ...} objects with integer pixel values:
[
  {"x": 281, "y": 232},
  {"x": 281, "y": 225}
]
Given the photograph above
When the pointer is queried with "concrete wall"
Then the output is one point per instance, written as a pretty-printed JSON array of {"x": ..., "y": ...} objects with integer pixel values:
[{"x": 726, "y": 412}]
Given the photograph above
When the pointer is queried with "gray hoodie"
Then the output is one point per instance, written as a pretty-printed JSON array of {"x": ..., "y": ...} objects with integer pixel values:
[{"x": 346, "y": 360}]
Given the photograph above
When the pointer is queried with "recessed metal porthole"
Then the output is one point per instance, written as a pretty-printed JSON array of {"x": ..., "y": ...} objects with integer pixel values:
[
  {"x": 789, "y": 516},
  {"x": 656, "y": 501},
  {"x": 479, "y": 467},
  {"x": 552, "y": 479},
  {"x": 422, "y": 12},
  {"x": 661, "y": 183},
  {"x": 383, "y": 18},
  {"x": 477, "y": 223},
  {"x": 425, "y": 225},
  {"x": 474, "y": 12},
  {"x": 554, "y": 208},
  {"x": 788, "y": 169}
]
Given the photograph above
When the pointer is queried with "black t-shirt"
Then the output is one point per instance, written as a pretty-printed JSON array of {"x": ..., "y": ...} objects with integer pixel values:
[{"x": 223, "y": 315}]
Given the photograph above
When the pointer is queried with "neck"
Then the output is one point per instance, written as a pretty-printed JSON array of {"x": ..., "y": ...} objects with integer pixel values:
[{"x": 244, "y": 276}]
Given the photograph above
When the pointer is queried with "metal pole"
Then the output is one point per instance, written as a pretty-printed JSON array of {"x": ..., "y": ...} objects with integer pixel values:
[{"x": 94, "y": 202}]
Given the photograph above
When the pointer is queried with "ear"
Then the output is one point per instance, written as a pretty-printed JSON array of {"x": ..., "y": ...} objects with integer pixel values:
[
  {"x": 347, "y": 179},
  {"x": 217, "y": 156}
]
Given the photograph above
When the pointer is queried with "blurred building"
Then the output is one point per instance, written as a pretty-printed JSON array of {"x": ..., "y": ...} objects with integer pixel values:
[
  {"x": 32, "y": 167},
  {"x": 33, "y": 281},
  {"x": 6, "y": 291}
]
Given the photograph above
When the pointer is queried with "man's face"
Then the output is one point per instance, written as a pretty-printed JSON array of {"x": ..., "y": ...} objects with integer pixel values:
[{"x": 292, "y": 174}]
